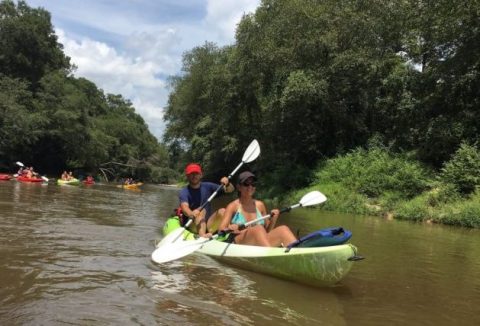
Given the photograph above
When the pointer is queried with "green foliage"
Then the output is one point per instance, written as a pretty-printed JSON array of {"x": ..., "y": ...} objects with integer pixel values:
[
  {"x": 17, "y": 122},
  {"x": 462, "y": 212},
  {"x": 442, "y": 194},
  {"x": 29, "y": 47},
  {"x": 415, "y": 209},
  {"x": 291, "y": 176},
  {"x": 463, "y": 169},
  {"x": 312, "y": 80},
  {"x": 375, "y": 171},
  {"x": 55, "y": 121}
]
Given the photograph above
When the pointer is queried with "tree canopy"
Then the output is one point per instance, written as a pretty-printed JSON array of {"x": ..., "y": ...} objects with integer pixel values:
[
  {"x": 313, "y": 79},
  {"x": 54, "y": 120}
]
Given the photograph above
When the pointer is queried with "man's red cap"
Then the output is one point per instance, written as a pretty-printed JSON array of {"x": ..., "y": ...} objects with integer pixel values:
[{"x": 193, "y": 168}]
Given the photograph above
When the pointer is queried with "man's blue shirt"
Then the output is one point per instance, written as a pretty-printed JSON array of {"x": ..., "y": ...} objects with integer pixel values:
[{"x": 196, "y": 197}]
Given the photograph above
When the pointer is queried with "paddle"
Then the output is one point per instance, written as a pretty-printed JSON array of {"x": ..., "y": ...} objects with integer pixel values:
[
  {"x": 22, "y": 165},
  {"x": 251, "y": 153},
  {"x": 172, "y": 251}
]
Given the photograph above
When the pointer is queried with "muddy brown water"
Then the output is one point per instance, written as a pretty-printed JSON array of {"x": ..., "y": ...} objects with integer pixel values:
[{"x": 80, "y": 255}]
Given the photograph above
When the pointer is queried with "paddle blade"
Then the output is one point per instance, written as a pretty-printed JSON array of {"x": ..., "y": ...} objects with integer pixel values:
[
  {"x": 172, "y": 237},
  {"x": 19, "y": 164},
  {"x": 173, "y": 251},
  {"x": 252, "y": 152},
  {"x": 44, "y": 178},
  {"x": 313, "y": 198}
]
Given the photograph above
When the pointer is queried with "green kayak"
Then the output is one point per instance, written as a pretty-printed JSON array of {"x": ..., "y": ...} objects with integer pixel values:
[
  {"x": 73, "y": 181},
  {"x": 315, "y": 266}
]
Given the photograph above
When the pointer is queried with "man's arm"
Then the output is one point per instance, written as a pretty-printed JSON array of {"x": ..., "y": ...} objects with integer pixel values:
[{"x": 227, "y": 186}]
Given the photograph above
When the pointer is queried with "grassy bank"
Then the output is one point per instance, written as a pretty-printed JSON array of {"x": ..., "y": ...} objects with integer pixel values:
[{"x": 378, "y": 182}]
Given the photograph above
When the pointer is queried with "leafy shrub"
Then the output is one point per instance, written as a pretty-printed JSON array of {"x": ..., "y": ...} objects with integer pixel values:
[
  {"x": 375, "y": 171},
  {"x": 441, "y": 194},
  {"x": 415, "y": 209},
  {"x": 338, "y": 198},
  {"x": 464, "y": 213},
  {"x": 463, "y": 169}
]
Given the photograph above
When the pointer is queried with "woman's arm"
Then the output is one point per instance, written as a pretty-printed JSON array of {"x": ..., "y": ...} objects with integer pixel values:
[
  {"x": 227, "y": 216},
  {"x": 270, "y": 222}
]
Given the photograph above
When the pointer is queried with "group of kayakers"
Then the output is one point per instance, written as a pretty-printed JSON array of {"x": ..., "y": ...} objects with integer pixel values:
[
  {"x": 26, "y": 172},
  {"x": 129, "y": 181},
  {"x": 67, "y": 176},
  {"x": 238, "y": 212}
]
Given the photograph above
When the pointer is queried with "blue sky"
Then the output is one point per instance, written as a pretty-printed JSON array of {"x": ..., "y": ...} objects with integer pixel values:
[{"x": 130, "y": 47}]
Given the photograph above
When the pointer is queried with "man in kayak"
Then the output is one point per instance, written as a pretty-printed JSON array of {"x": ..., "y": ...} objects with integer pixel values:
[
  {"x": 197, "y": 193},
  {"x": 245, "y": 209}
]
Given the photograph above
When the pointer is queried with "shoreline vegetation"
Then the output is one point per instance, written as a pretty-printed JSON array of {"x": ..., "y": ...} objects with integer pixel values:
[{"x": 380, "y": 183}]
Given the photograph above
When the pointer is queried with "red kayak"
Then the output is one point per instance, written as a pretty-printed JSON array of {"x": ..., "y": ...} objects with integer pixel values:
[
  {"x": 5, "y": 177},
  {"x": 25, "y": 179},
  {"x": 88, "y": 182}
]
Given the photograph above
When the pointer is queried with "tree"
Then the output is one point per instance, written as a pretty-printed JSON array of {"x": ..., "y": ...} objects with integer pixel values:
[{"x": 28, "y": 44}]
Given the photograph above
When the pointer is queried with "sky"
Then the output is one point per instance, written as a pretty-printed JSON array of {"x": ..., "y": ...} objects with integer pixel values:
[{"x": 131, "y": 47}]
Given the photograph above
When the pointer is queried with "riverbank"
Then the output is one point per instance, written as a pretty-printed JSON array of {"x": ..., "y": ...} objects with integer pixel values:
[{"x": 377, "y": 182}]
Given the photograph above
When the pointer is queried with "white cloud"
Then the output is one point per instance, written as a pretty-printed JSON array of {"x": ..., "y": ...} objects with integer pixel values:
[
  {"x": 141, "y": 43},
  {"x": 224, "y": 16},
  {"x": 133, "y": 78}
]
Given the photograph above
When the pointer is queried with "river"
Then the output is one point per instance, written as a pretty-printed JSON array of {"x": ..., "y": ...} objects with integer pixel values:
[{"x": 80, "y": 255}]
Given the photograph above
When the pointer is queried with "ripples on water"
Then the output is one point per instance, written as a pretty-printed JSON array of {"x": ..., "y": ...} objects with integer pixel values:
[{"x": 80, "y": 255}]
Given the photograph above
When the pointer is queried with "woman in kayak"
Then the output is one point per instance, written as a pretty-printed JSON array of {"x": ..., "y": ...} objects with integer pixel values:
[{"x": 246, "y": 209}]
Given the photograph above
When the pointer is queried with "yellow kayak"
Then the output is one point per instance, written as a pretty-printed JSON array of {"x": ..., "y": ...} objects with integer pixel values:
[{"x": 131, "y": 186}]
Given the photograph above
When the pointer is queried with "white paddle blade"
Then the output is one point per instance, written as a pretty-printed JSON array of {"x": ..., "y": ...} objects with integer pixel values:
[
  {"x": 313, "y": 198},
  {"x": 252, "y": 152},
  {"x": 173, "y": 251},
  {"x": 19, "y": 164},
  {"x": 175, "y": 235},
  {"x": 44, "y": 178}
]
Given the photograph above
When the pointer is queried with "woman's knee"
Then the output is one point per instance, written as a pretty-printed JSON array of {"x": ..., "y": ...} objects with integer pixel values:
[{"x": 284, "y": 229}]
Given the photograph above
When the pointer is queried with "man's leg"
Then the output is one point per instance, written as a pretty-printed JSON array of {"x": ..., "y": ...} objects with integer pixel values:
[{"x": 214, "y": 220}]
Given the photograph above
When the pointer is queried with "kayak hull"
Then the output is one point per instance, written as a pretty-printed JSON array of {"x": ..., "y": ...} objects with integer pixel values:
[
  {"x": 317, "y": 266},
  {"x": 5, "y": 177},
  {"x": 314, "y": 266},
  {"x": 25, "y": 179},
  {"x": 133, "y": 186},
  {"x": 72, "y": 182}
]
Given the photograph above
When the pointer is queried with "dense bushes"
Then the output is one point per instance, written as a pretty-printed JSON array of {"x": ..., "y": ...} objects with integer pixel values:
[
  {"x": 375, "y": 181},
  {"x": 463, "y": 170},
  {"x": 374, "y": 172}
]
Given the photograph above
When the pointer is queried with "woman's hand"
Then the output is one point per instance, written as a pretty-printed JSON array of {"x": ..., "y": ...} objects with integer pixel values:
[
  {"x": 274, "y": 214},
  {"x": 234, "y": 228}
]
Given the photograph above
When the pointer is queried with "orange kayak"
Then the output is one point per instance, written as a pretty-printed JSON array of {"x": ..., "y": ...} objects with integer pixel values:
[{"x": 25, "y": 179}]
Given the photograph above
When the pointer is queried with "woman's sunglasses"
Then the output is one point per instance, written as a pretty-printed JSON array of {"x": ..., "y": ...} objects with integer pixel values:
[{"x": 246, "y": 184}]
